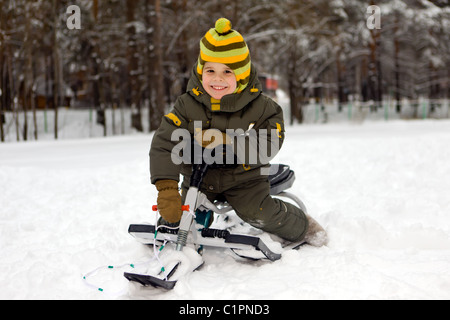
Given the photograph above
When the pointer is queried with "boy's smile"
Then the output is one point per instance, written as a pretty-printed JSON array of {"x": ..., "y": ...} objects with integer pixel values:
[{"x": 218, "y": 80}]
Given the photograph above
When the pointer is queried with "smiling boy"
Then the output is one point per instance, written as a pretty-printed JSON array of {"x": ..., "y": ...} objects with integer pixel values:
[{"x": 224, "y": 93}]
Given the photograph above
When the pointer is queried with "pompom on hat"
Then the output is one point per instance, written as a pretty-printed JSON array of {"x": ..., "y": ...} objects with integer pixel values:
[{"x": 224, "y": 45}]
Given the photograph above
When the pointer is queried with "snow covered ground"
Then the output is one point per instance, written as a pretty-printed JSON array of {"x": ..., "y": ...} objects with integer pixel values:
[{"x": 381, "y": 189}]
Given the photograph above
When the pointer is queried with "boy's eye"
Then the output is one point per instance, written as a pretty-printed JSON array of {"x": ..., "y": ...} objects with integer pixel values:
[{"x": 211, "y": 71}]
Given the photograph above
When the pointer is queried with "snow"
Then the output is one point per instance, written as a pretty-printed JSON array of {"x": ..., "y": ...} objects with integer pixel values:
[{"x": 381, "y": 190}]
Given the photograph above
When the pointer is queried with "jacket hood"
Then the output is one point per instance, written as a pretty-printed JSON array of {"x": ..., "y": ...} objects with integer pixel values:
[{"x": 229, "y": 103}]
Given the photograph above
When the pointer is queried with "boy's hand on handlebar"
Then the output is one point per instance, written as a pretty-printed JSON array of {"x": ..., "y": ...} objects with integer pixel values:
[{"x": 211, "y": 138}]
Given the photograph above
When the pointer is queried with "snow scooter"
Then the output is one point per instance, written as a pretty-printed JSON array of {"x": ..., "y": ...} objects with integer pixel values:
[{"x": 191, "y": 237}]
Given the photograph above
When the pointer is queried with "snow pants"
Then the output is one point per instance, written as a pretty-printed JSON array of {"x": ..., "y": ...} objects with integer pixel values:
[{"x": 250, "y": 198}]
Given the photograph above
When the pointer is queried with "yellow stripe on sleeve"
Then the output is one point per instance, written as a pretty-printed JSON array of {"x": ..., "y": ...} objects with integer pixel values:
[{"x": 174, "y": 118}]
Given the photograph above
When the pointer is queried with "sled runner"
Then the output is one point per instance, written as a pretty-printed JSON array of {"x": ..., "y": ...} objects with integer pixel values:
[{"x": 193, "y": 233}]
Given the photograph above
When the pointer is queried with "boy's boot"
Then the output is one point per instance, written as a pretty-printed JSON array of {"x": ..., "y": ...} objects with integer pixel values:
[{"x": 316, "y": 235}]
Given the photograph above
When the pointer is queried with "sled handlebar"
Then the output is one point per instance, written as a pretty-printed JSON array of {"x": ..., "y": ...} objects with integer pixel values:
[{"x": 183, "y": 208}]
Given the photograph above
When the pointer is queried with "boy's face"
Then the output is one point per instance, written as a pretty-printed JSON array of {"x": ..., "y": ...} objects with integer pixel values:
[{"x": 218, "y": 79}]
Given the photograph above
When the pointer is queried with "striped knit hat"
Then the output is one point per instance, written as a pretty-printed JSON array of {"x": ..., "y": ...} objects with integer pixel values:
[{"x": 225, "y": 45}]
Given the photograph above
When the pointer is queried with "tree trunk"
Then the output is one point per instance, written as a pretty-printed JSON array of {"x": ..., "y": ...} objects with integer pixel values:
[
  {"x": 398, "y": 105},
  {"x": 379, "y": 72},
  {"x": 295, "y": 103},
  {"x": 148, "y": 67},
  {"x": 182, "y": 58},
  {"x": 133, "y": 67},
  {"x": 339, "y": 74},
  {"x": 158, "y": 111},
  {"x": 295, "y": 91},
  {"x": 56, "y": 80},
  {"x": 2, "y": 78},
  {"x": 374, "y": 81},
  {"x": 12, "y": 93},
  {"x": 29, "y": 78}
]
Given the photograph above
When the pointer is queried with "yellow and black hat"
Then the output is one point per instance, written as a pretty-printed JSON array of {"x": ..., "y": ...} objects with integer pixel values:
[{"x": 225, "y": 45}]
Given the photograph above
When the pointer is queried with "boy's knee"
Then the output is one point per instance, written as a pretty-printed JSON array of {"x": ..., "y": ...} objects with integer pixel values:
[{"x": 275, "y": 216}]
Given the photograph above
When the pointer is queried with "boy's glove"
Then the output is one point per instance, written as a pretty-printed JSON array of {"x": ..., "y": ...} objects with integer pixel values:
[
  {"x": 211, "y": 138},
  {"x": 169, "y": 200}
]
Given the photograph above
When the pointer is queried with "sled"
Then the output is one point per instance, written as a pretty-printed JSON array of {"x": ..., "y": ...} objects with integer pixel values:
[{"x": 190, "y": 234}]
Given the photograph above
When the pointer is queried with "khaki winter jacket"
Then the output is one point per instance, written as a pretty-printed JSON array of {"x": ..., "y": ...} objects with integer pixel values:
[{"x": 249, "y": 111}]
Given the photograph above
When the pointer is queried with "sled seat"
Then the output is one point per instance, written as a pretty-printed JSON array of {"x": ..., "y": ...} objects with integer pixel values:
[{"x": 281, "y": 178}]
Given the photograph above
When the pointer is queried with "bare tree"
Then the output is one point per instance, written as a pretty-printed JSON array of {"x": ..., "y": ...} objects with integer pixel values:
[
  {"x": 2, "y": 74},
  {"x": 56, "y": 66},
  {"x": 158, "y": 112}
]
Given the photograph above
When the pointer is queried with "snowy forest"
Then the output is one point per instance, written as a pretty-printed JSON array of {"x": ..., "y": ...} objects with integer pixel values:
[{"x": 137, "y": 55}]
